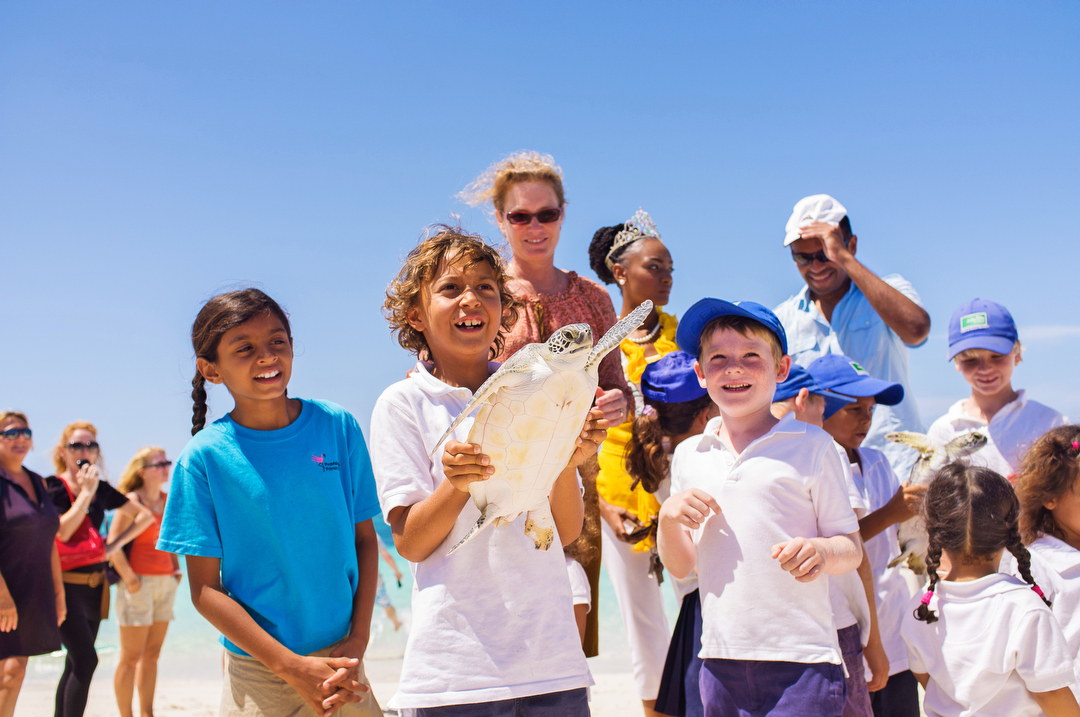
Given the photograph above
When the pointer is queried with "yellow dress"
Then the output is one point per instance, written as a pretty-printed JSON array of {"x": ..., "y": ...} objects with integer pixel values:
[{"x": 613, "y": 482}]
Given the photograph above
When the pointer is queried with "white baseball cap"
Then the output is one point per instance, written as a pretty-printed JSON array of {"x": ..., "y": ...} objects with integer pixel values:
[{"x": 815, "y": 208}]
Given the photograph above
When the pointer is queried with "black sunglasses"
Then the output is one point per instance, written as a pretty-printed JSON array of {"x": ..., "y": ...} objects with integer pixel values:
[
  {"x": 165, "y": 464},
  {"x": 804, "y": 259},
  {"x": 91, "y": 446},
  {"x": 13, "y": 433},
  {"x": 544, "y": 216}
]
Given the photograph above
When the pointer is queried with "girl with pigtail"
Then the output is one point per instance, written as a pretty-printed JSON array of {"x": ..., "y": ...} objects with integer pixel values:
[
  {"x": 249, "y": 493},
  {"x": 980, "y": 641},
  {"x": 1048, "y": 486}
]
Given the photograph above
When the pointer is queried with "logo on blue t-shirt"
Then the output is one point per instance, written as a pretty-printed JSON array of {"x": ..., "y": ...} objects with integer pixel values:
[{"x": 325, "y": 464}]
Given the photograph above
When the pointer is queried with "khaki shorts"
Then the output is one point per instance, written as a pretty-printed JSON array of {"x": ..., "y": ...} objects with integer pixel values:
[
  {"x": 251, "y": 690},
  {"x": 153, "y": 603}
]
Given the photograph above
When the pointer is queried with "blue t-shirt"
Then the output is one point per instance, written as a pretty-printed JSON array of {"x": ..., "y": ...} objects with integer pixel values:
[{"x": 279, "y": 508}]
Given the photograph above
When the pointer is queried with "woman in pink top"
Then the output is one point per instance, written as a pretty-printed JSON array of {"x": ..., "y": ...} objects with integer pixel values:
[
  {"x": 145, "y": 597},
  {"x": 526, "y": 192}
]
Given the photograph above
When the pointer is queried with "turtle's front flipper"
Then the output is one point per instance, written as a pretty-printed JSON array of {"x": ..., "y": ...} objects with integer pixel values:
[
  {"x": 617, "y": 333},
  {"x": 486, "y": 518},
  {"x": 918, "y": 441},
  {"x": 540, "y": 526}
]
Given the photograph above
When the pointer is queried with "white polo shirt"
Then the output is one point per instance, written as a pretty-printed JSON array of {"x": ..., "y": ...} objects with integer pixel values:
[
  {"x": 1055, "y": 565},
  {"x": 846, "y": 592},
  {"x": 994, "y": 643},
  {"x": 877, "y": 482},
  {"x": 493, "y": 621},
  {"x": 788, "y": 483},
  {"x": 1012, "y": 430},
  {"x": 858, "y": 332}
]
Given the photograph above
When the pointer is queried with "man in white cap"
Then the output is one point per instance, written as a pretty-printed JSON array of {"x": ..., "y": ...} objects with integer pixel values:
[{"x": 847, "y": 309}]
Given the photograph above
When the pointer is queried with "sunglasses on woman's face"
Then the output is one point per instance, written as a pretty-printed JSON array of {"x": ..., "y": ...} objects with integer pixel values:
[
  {"x": 544, "y": 216},
  {"x": 75, "y": 447},
  {"x": 164, "y": 464},
  {"x": 13, "y": 433}
]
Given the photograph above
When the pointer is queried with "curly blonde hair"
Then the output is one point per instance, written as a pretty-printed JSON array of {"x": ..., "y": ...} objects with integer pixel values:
[
  {"x": 130, "y": 479},
  {"x": 442, "y": 243},
  {"x": 58, "y": 453},
  {"x": 524, "y": 166}
]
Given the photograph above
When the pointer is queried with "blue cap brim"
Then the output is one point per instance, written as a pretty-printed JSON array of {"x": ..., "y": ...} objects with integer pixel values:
[
  {"x": 997, "y": 344},
  {"x": 884, "y": 392},
  {"x": 834, "y": 403},
  {"x": 698, "y": 316}
]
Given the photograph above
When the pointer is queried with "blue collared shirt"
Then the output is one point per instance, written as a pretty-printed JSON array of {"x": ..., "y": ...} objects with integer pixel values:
[{"x": 858, "y": 332}]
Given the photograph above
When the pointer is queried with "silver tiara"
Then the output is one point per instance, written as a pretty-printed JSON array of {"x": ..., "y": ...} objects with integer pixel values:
[{"x": 640, "y": 226}]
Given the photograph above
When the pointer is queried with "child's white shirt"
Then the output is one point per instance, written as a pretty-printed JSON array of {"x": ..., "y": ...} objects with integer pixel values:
[
  {"x": 846, "y": 593},
  {"x": 1011, "y": 431},
  {"x": 877, "y": 482},
  {"x": 493, "y": 621},
  {"x": 786, "y": 484},
  {"x": 994, "y": 643}
]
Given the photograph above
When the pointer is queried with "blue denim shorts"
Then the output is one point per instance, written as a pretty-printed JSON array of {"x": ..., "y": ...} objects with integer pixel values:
[
  {"x": 570, "y": 703},
  {"x": 754, "y": 688}
]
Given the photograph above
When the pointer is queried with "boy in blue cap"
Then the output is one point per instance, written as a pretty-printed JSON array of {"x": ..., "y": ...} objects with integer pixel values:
[
  {"x": 801, "y": 394},
  {"x": 985, "y": 347},
  {"x": 888, "y": 504},
  {"x": 760, "y": 509}
]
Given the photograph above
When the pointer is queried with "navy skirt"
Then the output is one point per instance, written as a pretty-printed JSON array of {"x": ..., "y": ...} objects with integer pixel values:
[{"x": 680, "y": 694}]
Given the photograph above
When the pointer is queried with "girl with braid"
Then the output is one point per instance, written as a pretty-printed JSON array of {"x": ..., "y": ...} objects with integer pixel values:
[
  {"x": 1048, "y": 487},
  {"x": 982, "y": 642},
  {"x": 272, "y": 506}
]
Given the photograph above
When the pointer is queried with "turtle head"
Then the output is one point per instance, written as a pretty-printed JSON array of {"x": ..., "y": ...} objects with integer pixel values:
[{"x": 570, "y": 342}]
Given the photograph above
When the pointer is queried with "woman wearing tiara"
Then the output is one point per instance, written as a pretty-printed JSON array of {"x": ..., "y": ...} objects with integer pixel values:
[
  {"x": 633, "y": 256},
  {"x": 525, "y": 190}
]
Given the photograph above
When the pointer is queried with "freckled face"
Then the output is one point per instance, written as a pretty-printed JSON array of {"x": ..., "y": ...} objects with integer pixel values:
[
  {"x": 532, "y": 243},
  {"x": 988, "y": 373},
  {"x": 850, "y": 424},
  {"x": 739, "y": 372}
]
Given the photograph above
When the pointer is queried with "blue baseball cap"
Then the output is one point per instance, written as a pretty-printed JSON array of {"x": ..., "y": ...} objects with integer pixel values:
[
  {"x": 981, "y": 324},
  {"x": 693, "y": 322},
  {"x": 672, "y": 379},
  {"x": 798, "y": 379},
  {"x": 842, "y": 375}
]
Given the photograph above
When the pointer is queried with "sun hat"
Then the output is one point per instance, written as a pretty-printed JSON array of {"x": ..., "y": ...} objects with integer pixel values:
[
  {"x": 798, "y": 379},
  {"x": 815, "y": 208},
  {"x": 842, "y": 375},
  {"x": 981, "y": 324},
  {"x": 697, "y": 317},
  {"x": 672, "y": 379}
]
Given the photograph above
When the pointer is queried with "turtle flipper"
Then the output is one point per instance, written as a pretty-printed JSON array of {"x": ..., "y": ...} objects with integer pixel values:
[
  {"x": 483, "y": 522},
  {"x": 617, "y": 333},
  {"x": 540, "y": 526},
  {"x": 965, "y": 444},
  {"x": 918, "y": 441}
]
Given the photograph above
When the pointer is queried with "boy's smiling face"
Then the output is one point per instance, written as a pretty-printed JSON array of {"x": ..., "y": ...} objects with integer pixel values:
[
  {"x": 459, "y": 312},
  {"x": 739, "y": 371},
  {"x": 987, "y": 372}
]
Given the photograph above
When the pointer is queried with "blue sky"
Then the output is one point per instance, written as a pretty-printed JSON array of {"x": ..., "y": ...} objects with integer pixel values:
[{"x": 152, "y": 155}]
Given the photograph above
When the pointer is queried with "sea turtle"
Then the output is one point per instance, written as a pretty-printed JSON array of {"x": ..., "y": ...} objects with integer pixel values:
[
  {"x": 932, "y": 456},
  {"x": 532, "y": 410}
]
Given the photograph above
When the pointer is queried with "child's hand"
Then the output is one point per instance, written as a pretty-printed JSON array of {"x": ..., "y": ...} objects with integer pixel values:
[
  {"x": 801, "y": 558},
  {"x": 463, "y": 464},
  {"x": 322, "y": 679},
  {"x": 592, "y": 435},
  {"x": 689, "y": 508},
  {"x": 906, "y": 502},
  {"x": 878, "y": 662},
  {"x": 354, "y": 648}
]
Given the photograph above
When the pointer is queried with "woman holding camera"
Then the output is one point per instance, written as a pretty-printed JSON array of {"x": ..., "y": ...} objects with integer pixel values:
[{"x": 81, "y": 498}]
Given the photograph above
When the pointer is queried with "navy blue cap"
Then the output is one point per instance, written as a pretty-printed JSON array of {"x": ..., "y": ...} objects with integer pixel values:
[
  {"x": 798, "y": 379},
  {"x": 981, "y": 324},
  {"x": 693, "y": 322},
  {"x": 842, "y": 375},
  {"x": 672, "y": 379}
]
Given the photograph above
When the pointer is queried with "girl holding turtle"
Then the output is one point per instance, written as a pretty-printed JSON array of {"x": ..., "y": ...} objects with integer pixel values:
[{"x": 492, "y": 623}]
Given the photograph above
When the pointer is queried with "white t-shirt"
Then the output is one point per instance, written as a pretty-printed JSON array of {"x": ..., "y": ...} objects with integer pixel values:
[
  {"x": 846, "y": 593},
  {"x": 1012, "y": 430},
  {"x": 1055, "y": 565},
  {"x": 876, "y": 480},
  {"x": 493, "y": 621},
  {"x": 788, "y": 483},
  {"x": 993, "y": 644},
  {"x": 680, "y": 586}
]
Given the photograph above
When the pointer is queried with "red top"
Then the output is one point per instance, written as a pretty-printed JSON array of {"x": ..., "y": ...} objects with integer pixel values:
[{"x": 143, "y": 556}]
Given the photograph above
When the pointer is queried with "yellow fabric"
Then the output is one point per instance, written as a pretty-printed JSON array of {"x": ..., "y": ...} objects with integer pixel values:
[{"x": 613, "y": 482}]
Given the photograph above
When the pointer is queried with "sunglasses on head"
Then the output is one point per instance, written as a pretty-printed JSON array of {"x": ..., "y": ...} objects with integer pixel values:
[
  {"x": 91, "y": 446},
  {"x": 544, "y": 216},
  {"x": 12, "y": 433},
  {"x": 164, "y": 464}
]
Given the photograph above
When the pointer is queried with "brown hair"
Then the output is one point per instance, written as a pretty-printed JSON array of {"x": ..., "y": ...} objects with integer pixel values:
[
  {"x": 7, "y": 415},
  {"x": 1049, "y": 470},
  {"x": 130, "y": 479},
  {"x": 58, "y": 453},
  {"x": 524, "y": 166},
  {"x": 219, "y": 315},
  {"x": 441, "y": 243},
  {"x": 970, "y": 511},
  {"x": 744, "y": 327},
  {"x": 646, "y": 461}
]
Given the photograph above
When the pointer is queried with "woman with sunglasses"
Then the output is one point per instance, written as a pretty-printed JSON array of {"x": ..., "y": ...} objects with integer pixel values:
[
  {"x": 81, "y": 497},
  {"x": 31, "y": 594},
  {"x": 144, "y": 599},
  {"x": 526, "y": 192}
]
